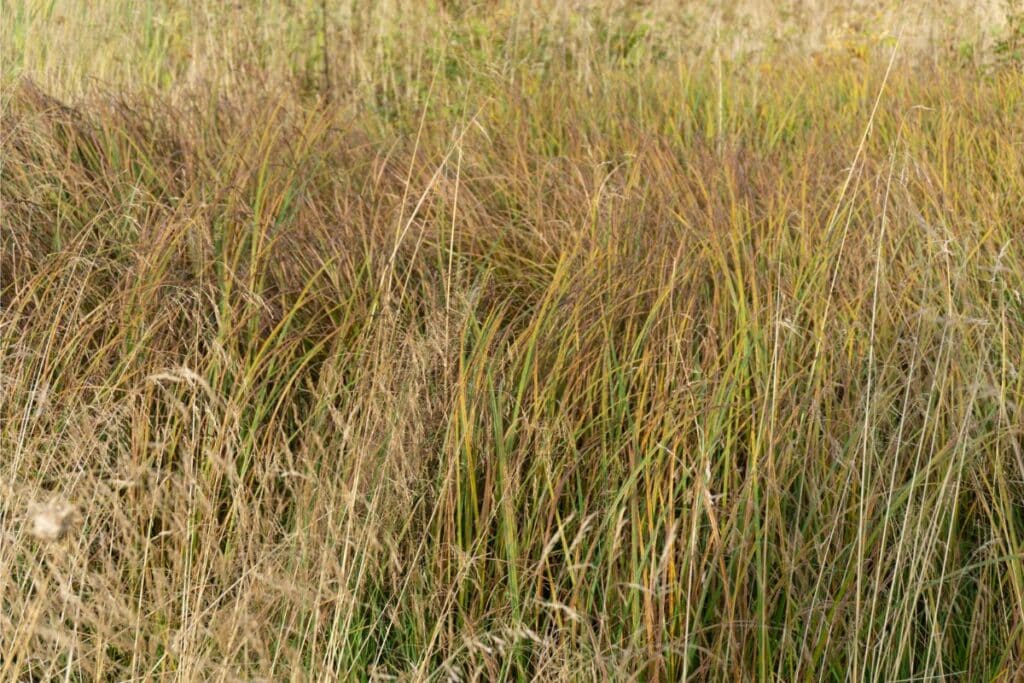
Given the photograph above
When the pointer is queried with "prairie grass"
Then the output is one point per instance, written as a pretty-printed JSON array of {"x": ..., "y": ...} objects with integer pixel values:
[{"x": 508, "y": 342}]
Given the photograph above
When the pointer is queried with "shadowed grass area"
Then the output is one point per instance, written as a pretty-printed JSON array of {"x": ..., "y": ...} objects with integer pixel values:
[{"x": 505, "y": 358}]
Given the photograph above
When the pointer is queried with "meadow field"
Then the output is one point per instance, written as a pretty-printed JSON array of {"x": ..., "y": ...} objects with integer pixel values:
[{"x": 511, "y": 340}]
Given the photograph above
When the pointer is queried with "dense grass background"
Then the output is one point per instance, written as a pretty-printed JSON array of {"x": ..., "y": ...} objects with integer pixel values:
[{"x": 512, "y": 341}]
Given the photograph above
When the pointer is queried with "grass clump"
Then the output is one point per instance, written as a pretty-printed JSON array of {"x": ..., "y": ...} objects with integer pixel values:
[{"x": 523, "y": 355}]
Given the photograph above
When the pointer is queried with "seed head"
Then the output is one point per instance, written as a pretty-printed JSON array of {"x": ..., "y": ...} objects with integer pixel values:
[{"x": 52, "y": 521}]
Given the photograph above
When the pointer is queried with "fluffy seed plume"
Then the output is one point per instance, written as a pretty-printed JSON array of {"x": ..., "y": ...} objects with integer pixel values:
[{"x": 53, "y": 520}]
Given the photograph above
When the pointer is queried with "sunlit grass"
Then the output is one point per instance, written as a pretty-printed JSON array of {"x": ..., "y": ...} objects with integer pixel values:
[{"x": 501, "y": 357}]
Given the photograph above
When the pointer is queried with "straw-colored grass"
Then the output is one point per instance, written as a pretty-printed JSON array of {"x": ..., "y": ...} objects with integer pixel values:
[{"x": 511, "y": 341}]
